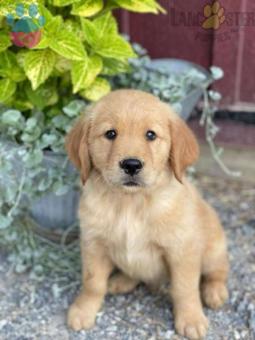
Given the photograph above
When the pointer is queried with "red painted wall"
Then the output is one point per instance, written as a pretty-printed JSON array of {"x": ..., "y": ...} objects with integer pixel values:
[{"x": 180, "y": 34}]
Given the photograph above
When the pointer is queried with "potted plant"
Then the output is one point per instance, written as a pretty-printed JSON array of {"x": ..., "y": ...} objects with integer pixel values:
[
  {"x": 74, "y": 56},
  {"x": 55, "y": 57}
]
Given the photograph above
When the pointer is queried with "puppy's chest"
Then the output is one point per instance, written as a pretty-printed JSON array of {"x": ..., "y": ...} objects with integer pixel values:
[
  {"x": 132, "y": 248},
  {"x": 129, "y": 235}
]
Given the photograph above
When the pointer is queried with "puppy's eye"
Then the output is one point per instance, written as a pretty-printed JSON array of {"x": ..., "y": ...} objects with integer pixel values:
[
  {"x": 151, "y": 135},
  {"x": 111, "y": 134}
]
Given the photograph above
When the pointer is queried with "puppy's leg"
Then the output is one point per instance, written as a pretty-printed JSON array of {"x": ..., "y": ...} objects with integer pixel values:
[
  {"x": 96, "y": 269},
  {"x": 190, "y": 320},
  {"x": 215, "y": 271},
  {"x": 121, "y": 284}
]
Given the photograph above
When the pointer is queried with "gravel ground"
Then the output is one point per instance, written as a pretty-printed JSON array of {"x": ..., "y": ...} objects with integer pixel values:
[{"x": 29, "y": 311}]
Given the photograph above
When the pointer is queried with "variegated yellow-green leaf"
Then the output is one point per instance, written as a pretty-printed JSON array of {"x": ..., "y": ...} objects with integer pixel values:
[
  {"x": 106, "y": 24},
  {"x": 5, "y": 41},
  {"x": 112, "y": 67},
  {"x": 44, "y": 42},
  {"x": 9, "y": 67},
  {"x": 99, "y": 28},
  {"x": 52, "y": 27},
  {"x": 142, "y": 6},
  {"x": 87, "y": 8},
  {"x": 38, "y": 66},
  {"x": 115, "y": 47},
  {"x": 62, "y": 64},
  {"x": 97, "y": 90},
  {"x": 102, "y": 35},
  {"x": 84, "y": 72},
  {"x": 7, "y": 89},
  {"x": 90, "y": 32},
  {"x": 68, "y": 45},
  {"x": 75, "y": 27},
  {"x": 62, "y": 3}
]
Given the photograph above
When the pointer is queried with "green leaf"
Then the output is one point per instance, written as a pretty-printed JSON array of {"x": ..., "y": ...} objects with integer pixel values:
[
  {"x": 10, "y": 101},
  {"x": 102, "y": 35},
  {"x": 91, "y": 33},
  {"x": 96, "y": 30},
  {"x": 52, "y": 27},
  {"x": 5, "y": 41},
  {"x": 31, "y": 137},
  {"x": 31, "y": 124},
  {"x": 84, "y": 72},
  {"x": 217, "y": 72},
  {"x": 106, "y": 24},
  {"x": 115, "y": 47},
  {"x": 45, "y": 95},
  {"x": 74, "y": 108},
  {"x": 98, "y": 89},
  {"x": 10, "y": 68},
  {"x": 68, "y": 45},
  {"x": 33, "y": 158},
  {"x": 142, "y": 6},
  {"x": 38, "y": 66},
  {"x": 61, "y": 122},
  {"x": 47, "y": 140},
  {"x": 62, "y": 3},
  {"x": 20, "y": 56},
  {"x": 45, "y": 12},
  {"x": 87, "y": 8},
  {"x": 5, "y": 222},
  {"x": 7, "y": 89},
  {"x": 20, "y": 101},
  {"x": 44, "y": 42},
  {"x": 113, "y": 67},
  {"x": 215, "y": 95},
  {"x": 12, "y": 118},
  {"x": 75, "y": 27},
  {"x": 62, "y": 64},
  {"x": 44, "y": 183},
  {"x": 22, "y": 104}
]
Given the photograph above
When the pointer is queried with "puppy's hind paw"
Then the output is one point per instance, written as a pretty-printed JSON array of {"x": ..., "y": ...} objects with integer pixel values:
[
  {"x": 79, "y": 319},
  {"x": 121, "y": 284},
  {"x": 214, "y": 294}
]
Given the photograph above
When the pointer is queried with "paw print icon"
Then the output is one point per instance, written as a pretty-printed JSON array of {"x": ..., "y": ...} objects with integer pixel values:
[
  {"x": 26, "y": 30},
  {"x": 214, "y": 16}
]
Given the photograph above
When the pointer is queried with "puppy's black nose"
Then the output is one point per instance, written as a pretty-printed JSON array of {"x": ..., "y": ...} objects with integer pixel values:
[{"x": 131, "y": 166}]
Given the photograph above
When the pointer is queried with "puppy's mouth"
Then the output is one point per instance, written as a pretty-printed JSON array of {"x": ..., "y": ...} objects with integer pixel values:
[{"x": 131, "y": 184}]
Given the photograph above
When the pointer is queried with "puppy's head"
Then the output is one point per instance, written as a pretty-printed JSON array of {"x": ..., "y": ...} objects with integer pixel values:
[{"x": 131, "y": 138}]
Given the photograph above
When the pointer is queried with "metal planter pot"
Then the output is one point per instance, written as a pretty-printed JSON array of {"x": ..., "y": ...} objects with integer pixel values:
[
  {"x": 178, "y": 66},
  {"x": 52, "y": 211}
]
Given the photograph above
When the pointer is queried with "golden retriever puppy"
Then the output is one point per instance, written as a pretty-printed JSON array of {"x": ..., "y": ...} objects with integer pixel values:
[{"x": 139, "y": 213}]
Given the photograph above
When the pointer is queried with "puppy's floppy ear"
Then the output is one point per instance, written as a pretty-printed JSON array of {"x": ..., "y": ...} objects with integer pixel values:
[
  {"x": 77, "y": 147},
  {"x": 184, "y": 147}
]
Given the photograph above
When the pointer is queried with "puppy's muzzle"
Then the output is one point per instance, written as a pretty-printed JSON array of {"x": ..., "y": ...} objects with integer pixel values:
[{"x": 131, "y": 166}]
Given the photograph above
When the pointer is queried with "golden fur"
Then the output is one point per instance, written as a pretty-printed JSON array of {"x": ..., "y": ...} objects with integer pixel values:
[{"x": 161, "y": 230}]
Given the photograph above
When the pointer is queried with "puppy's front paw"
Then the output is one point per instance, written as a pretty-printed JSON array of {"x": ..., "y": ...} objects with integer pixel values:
[
  {"x": 192, "y": 325},
  {"x": 79, "y": 319}
]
